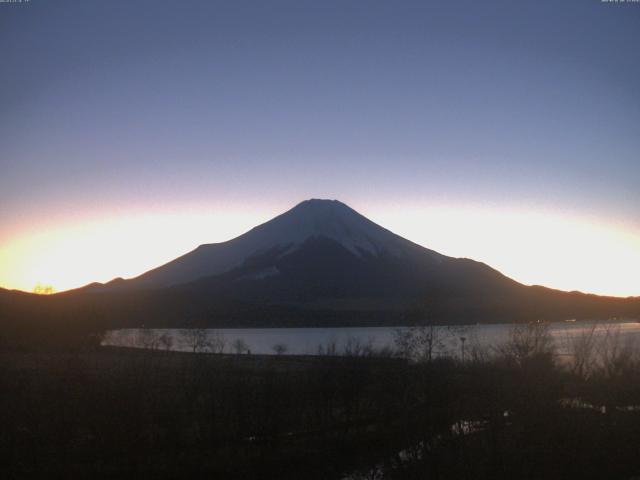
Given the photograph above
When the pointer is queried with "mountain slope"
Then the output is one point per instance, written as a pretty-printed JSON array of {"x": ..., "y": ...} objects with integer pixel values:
[
  {"x": 323, "y": 269},
  {"x": 312, "y": 218},
  {"x": 319, "y": 264}
]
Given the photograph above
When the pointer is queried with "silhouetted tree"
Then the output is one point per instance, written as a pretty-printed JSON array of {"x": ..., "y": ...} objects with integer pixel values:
[
  {"x": 240, "y": 346},
  {"x": 195, "y": 338},
  {"x": 166, "y": 340},
  {"x": 280, "y": 348}
]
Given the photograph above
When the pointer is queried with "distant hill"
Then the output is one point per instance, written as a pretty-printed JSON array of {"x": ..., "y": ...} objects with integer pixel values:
[{"x": 320, "y": 263}]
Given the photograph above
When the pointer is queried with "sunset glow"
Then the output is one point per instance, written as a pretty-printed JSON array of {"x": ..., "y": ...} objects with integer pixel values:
[
  {"x": 132, "y": 133},
  {"x": 531, "y": 247},
  {"x": 76, "y": 254}
]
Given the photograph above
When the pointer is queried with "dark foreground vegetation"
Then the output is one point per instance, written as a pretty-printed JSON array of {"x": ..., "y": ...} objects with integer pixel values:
[{"x": 517, "y": 412}]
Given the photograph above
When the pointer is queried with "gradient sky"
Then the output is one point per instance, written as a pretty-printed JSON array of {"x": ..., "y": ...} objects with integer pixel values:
[{"x": 507, "y": 132}]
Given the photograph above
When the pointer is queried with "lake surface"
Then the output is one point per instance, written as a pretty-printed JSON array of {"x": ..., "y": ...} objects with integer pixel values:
[{"x": 311, "y": 341}]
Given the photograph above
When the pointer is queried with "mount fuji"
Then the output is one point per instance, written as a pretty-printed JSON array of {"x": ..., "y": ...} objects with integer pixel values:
[
  {"x": 315, "y": 237},
  {"x": 319, "y": 264}
]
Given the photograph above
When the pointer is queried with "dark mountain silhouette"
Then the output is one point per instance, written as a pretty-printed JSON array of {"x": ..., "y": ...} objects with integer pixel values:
[
  {"x": 320, "y": 249},
  {"x": 329, "y": 220},
  {"x": 320, "y": 263}
]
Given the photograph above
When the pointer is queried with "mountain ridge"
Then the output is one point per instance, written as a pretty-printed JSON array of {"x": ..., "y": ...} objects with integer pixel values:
[{"x": 321, "y": 263}]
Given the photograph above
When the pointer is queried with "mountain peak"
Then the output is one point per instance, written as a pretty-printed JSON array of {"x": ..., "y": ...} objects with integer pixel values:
[
  {"x": 310, "y": 219},
  {"x": 321, "y": 204},
  {"x": 321, "y": 201},
  {"x": 331, "y": 219}
]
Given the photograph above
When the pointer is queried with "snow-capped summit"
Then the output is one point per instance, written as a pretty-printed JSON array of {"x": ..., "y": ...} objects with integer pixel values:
[
  {"x": 310, "y": 219},
  {"x": 333, "y": 220}
]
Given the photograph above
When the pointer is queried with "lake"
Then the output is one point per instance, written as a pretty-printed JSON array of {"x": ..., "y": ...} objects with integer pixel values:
[{"x": 311, "y": 341}]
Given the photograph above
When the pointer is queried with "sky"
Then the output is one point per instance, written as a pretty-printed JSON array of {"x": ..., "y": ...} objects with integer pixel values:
[{"x": 507, "y": 132}]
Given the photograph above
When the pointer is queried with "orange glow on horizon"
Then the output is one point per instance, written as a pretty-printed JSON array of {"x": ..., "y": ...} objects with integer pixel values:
[
  {"x": 533, "y": 248},
  {"x": 77, "y": 254}
]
